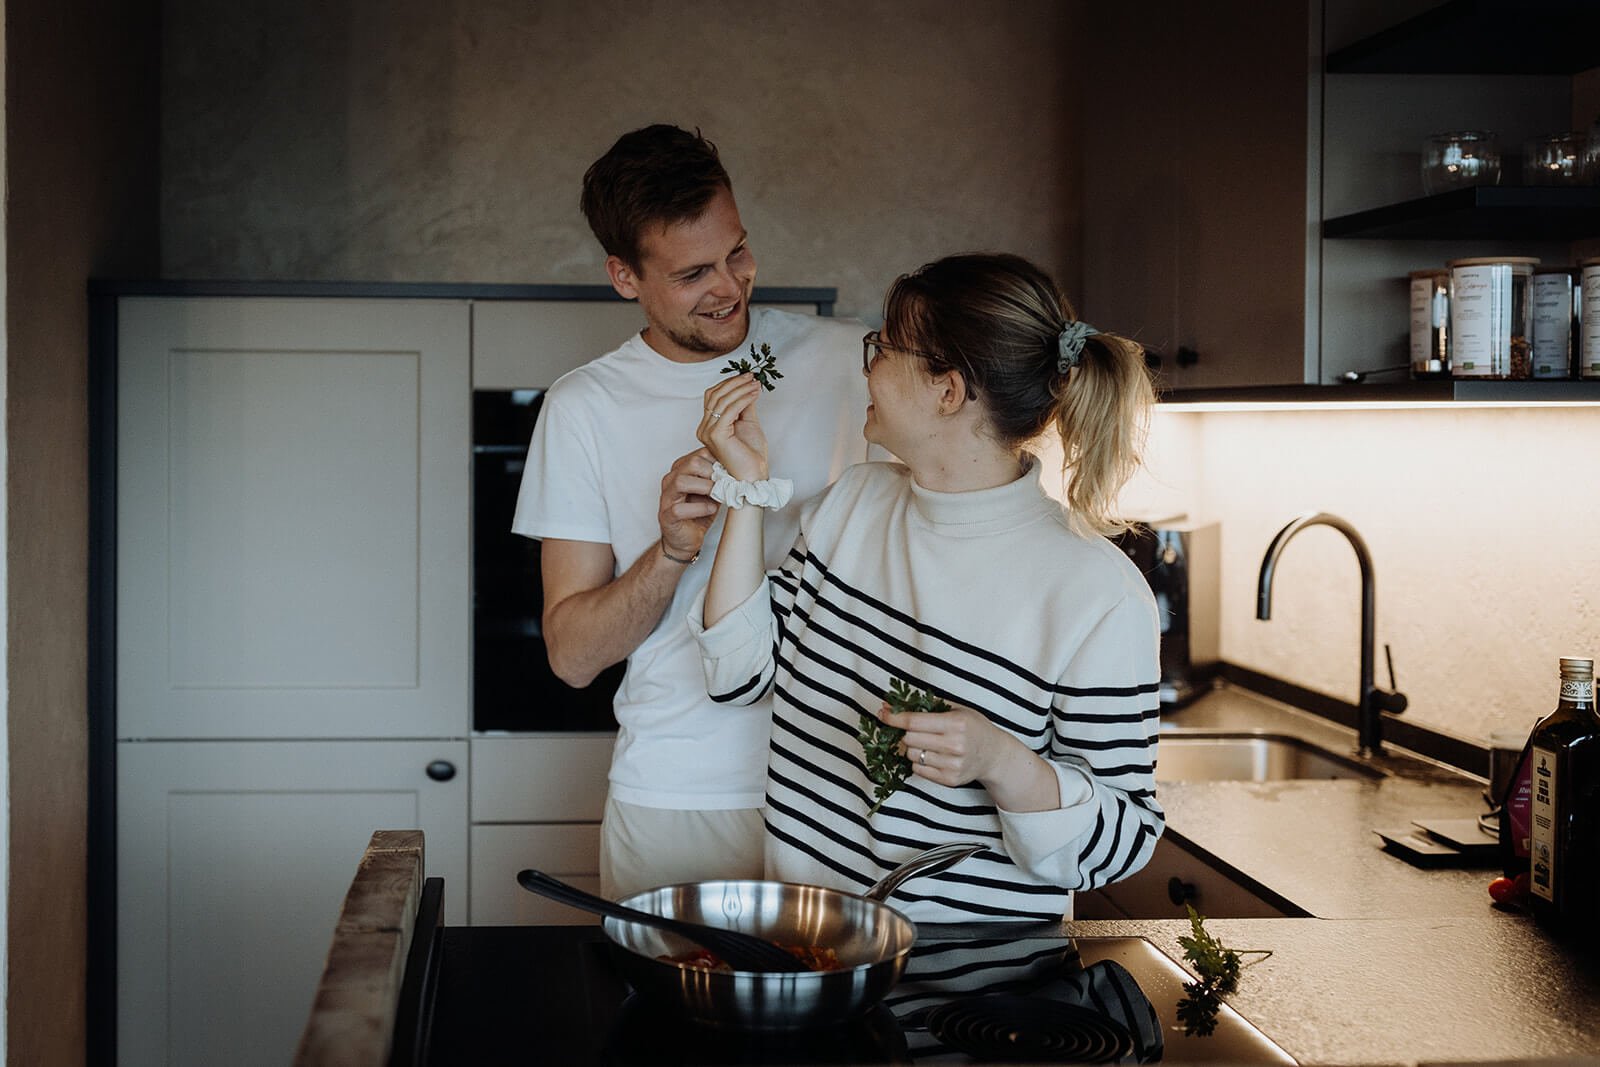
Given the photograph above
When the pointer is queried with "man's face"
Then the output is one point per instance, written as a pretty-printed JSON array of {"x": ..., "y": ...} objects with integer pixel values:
[{"x": 693, "y": 283}]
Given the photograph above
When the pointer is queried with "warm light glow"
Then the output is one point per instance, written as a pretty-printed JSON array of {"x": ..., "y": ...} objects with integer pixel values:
[{"x": 1209, "y": 406}]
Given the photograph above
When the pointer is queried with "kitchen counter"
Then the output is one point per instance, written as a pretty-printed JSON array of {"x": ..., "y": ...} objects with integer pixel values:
[
  {"x": 1454, "y": 989},
  {"x": 1401, "y": 964},
  {"x": 1311, "y": 841}
]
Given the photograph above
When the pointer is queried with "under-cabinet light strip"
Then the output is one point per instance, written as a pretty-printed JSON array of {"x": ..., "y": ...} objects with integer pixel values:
[{"x": 1209, "y": 406}]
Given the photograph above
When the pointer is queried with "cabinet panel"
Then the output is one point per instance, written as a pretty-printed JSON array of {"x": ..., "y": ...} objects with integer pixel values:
[
  {"x": 540, "y": 779},
  {"x": 1198, "y": 176},
  {"x": 571, "y": 852},
  {"x": 1147, "y": 894},
  {"x": 528, "y": 344},
  {"x": 292, "y": 518},
  {"x": 233, "y": 859}
]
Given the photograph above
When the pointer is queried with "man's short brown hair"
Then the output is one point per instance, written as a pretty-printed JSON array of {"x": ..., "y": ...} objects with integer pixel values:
[{"x": 656, "y": 175}]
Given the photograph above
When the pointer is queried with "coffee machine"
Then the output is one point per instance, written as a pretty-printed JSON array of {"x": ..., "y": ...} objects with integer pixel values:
[{"x": 1182, "y": 561}]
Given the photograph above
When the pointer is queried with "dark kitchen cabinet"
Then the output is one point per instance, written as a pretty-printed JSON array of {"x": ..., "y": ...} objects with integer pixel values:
[
  {"x": 1195, "y": 186},
  {"x": 1177, "y": 875},
  {"x": 1251, "y": 209}
]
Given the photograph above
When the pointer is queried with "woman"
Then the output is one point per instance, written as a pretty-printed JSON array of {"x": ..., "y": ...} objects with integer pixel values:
[{"x": 955, "y": 573}]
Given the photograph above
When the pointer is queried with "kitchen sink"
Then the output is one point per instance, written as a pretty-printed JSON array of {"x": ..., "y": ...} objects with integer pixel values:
[{"x": 1227, "y": 756}]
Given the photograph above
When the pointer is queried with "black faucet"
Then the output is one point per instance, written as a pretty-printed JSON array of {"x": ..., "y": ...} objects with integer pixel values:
[{"x": 1373, "y": 701}]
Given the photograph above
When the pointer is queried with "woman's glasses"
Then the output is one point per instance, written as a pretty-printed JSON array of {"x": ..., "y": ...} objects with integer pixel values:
[{"x": 873, "y": 346}]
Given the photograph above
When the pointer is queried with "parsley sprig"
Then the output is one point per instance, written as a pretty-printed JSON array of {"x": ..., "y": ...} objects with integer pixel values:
[
  {"x": 1218, "y": 967},
  {"x": 886, "y": 766},
  {"x": 763, "y": 366}
]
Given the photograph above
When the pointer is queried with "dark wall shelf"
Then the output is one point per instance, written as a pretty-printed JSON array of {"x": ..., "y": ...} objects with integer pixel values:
[
  {"x": 1446, "y": 391},
  {"x": 1482, "y": 37},
  {"x": 1483, "y": 213}
]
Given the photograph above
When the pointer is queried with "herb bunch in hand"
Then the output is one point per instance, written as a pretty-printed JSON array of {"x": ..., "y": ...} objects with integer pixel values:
[
  {"x": 763, "y": 366},
  {"x": 887, "y": 767}
]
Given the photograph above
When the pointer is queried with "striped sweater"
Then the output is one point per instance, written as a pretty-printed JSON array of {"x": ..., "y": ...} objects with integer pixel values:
[{"x": 988, "y": 600}]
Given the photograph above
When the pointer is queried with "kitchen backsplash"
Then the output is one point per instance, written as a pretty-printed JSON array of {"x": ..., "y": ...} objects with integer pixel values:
[{"x": 1482, "y": 525}]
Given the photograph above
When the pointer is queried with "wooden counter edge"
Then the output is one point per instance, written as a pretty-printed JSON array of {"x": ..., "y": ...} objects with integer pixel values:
[{"x": 353, "y": 1013}]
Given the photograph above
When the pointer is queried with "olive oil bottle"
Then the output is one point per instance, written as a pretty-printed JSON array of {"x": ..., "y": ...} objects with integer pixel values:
[{"x": 1564, "y": 823}]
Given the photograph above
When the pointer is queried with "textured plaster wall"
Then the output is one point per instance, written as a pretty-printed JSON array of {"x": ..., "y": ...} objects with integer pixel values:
[
  {"x": 423, "y": 140},
  {"x": 1482, "y": 528},
  {"x": 80, "y": 173}
]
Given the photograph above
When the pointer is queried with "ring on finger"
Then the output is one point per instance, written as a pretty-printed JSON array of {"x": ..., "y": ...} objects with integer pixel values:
[
  {"x": 922, "y": 758},
  {"x": 716, "y": 415}
]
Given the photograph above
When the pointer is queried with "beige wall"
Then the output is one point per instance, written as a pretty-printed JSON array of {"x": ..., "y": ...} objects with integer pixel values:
[
  {"x": 1482, "y": 524},
  {"x": 429, "y": 141},
  {"x": 81, "y": 179}
]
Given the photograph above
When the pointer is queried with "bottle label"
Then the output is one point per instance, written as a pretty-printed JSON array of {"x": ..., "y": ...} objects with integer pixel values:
[
  {"x": 1542, "y": 824},
  {"x": 1578, "y": 691},
  {"x": 1552, "y": 325},
  {"x": 1516, "y": 809},
  {"x": 1480, "y": 320}
]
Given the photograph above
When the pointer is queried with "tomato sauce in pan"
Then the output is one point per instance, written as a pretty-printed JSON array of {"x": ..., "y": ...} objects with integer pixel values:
[{"x": 815, "y": 957}]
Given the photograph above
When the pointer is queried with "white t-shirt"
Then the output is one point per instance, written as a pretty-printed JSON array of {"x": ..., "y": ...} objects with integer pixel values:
[{"x": 606, "y": 435}]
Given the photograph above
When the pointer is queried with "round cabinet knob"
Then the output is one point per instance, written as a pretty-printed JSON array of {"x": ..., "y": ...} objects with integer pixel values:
[
  {"x": 1180, "y": 892},
  {"x": 442, "y": 770}
]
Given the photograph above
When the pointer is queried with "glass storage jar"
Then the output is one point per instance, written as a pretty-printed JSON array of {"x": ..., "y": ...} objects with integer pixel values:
[
  {"x": 1589, "y": 319},
  {"x": 1491, "y": 317},
  {"x": 1555, "y": 319},
  {"x": 1557, "y": 159},
  {"x": 1430, "y": 323},
  {"x": 1465, "y": 157}
]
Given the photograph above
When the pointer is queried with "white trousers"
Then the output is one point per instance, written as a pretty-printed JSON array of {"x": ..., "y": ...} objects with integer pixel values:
[{"x": 642, "y": 848}]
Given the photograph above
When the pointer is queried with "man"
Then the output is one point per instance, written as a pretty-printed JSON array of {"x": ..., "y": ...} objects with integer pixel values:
[{"x": 629, "y": 532}]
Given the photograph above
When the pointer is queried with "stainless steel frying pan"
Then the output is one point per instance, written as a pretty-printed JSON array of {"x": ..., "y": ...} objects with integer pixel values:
[{"x": 870, "y": 938}]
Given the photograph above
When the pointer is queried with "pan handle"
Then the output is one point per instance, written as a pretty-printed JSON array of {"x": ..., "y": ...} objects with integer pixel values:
[{"x": 939, "y": 858}]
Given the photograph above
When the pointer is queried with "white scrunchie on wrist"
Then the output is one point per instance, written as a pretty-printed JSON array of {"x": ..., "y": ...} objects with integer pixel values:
[{"x": 726, "y": 489}]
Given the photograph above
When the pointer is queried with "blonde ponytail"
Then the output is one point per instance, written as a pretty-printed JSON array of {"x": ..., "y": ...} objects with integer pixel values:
[{"x": 1103, "y": 415}]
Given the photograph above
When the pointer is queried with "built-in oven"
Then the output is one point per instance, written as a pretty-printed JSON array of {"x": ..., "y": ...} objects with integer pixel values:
[{"x": 513, "y": 687}]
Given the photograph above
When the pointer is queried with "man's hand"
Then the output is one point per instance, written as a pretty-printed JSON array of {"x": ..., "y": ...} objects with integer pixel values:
[{"x": 686, "y": 508}]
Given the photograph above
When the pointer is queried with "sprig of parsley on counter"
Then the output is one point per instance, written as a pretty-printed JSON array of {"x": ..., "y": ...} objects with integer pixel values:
[
  {"x": 1218, "y": 967},
  {"x": 886, "y": 766},
  {"x": 763, "y": 366}
]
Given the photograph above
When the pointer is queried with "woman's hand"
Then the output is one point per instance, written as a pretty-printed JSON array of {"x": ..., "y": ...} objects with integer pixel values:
[
  {"x": 960, "y": 745},
  {"x": 730, "y": 430}
]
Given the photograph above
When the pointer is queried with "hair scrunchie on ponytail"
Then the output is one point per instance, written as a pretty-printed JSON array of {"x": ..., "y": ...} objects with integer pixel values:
[{"x": 1070, "y": 344}]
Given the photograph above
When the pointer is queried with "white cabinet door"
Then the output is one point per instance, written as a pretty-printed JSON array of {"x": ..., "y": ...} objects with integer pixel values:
[
  {"x": 536, "y": 802},
  {"x": 540, "y": 778},
  {"x": 569, "y": 851},
  {"x": 293, "y": 479},
  {"x": 233, "y": 859},
  {"x": 528, "y": 344}
]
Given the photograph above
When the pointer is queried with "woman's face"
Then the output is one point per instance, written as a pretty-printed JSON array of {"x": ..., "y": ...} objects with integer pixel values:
[{"x": 901, "y": 398}]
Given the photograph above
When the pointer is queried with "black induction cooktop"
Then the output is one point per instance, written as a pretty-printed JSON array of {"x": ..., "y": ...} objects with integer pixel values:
[{"x": 550, "y": 995}]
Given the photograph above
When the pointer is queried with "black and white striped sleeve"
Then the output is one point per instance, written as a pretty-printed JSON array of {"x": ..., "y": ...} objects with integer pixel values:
[
  {"x": 1105, "y": 717},
  {"x": 739, "y": 653}
]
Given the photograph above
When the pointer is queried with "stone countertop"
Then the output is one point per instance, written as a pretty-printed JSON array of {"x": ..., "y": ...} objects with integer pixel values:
[
  {"x": 1454, "y": 989},
  {"x": 1402, "y": 965},
  {"x": 1311, "y": 841}
]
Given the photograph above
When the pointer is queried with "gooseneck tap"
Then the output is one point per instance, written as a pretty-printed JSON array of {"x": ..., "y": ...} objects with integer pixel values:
[{"x": 1373, "y": 701}]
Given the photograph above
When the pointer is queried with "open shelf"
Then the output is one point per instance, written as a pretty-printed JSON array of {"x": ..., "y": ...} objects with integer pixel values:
[
  {"x": 1481, "y": 37},
  {"x": 1484, "y": 212}
]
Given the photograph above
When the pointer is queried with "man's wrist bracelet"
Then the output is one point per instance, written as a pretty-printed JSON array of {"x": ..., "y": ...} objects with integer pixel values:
[{"x": 676, "y": 559}]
